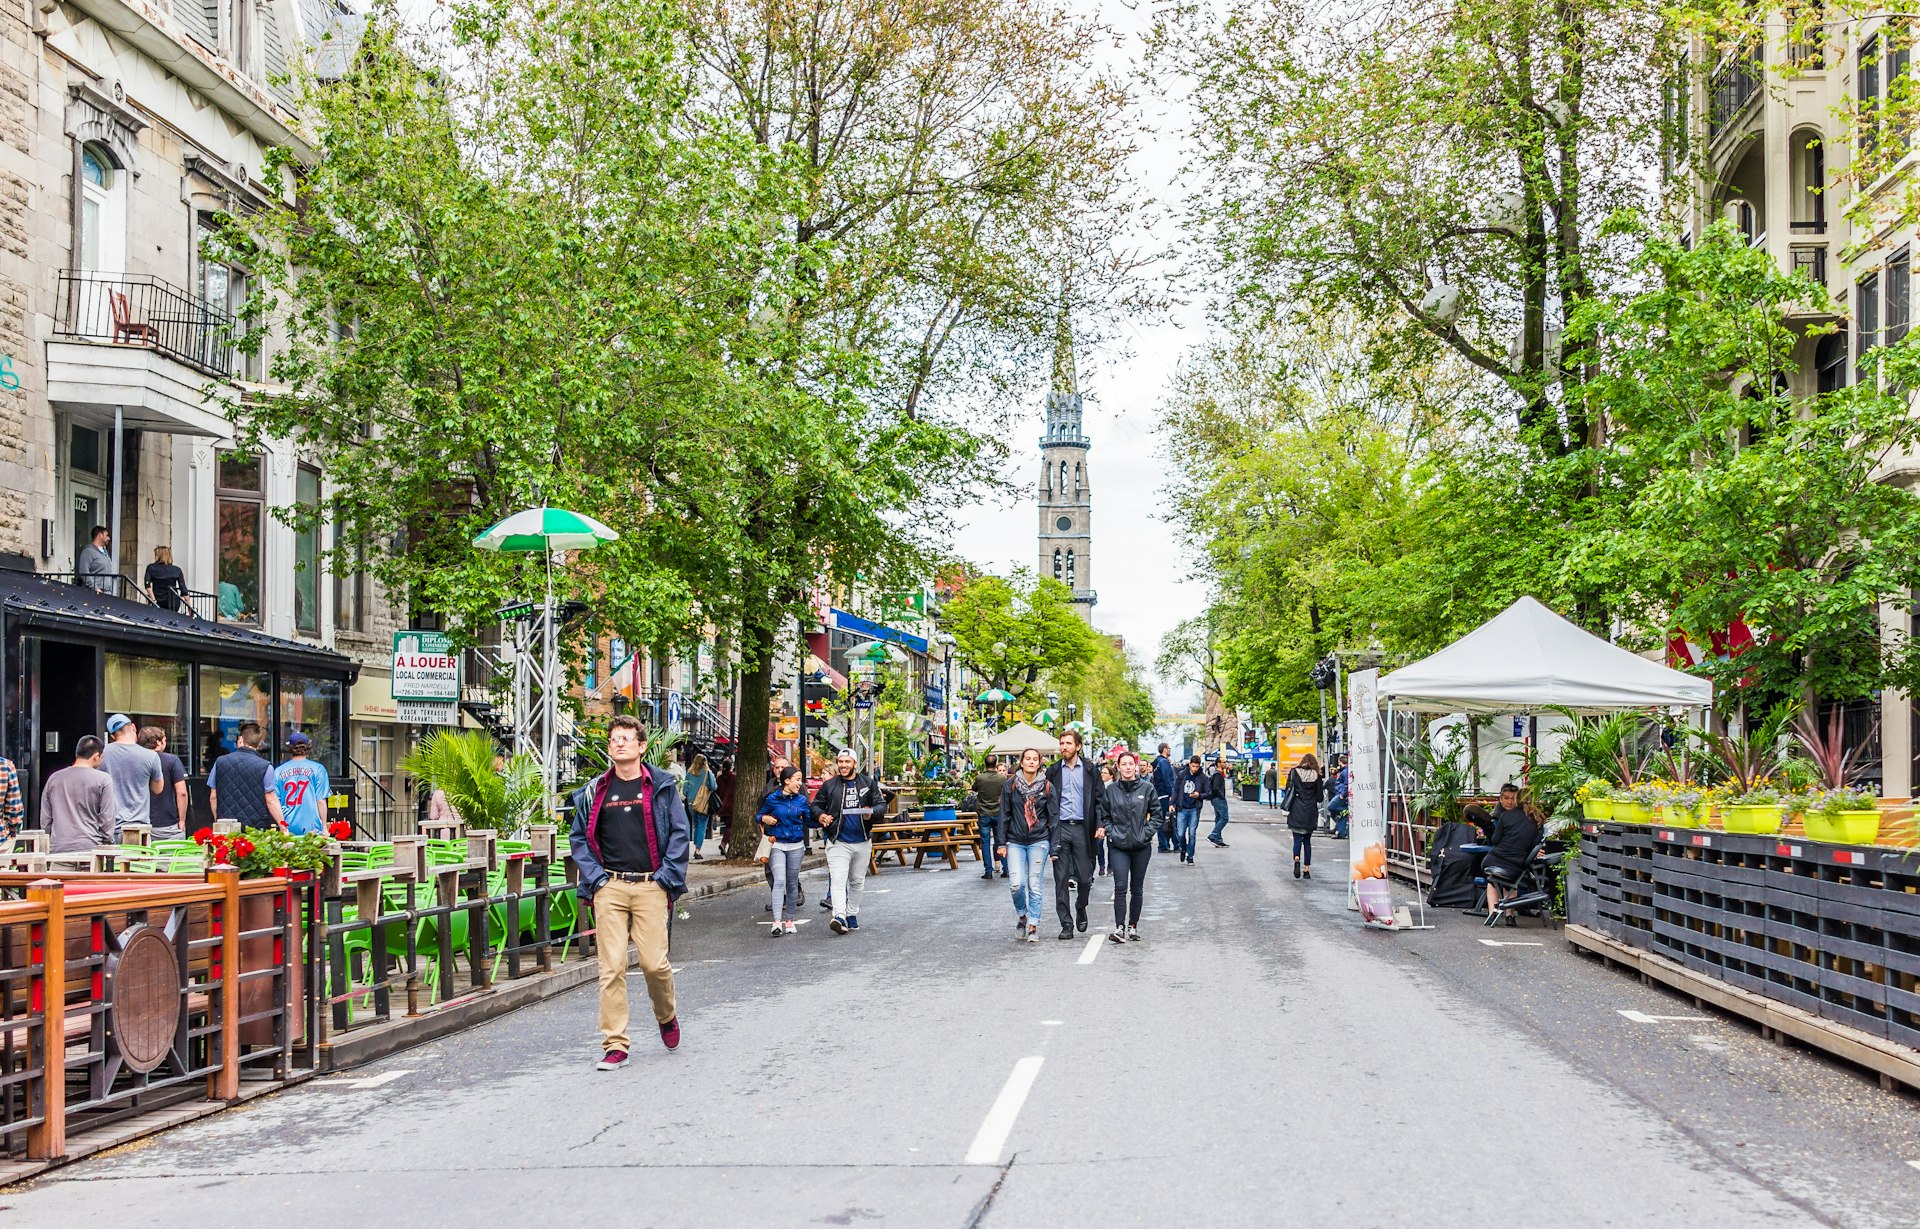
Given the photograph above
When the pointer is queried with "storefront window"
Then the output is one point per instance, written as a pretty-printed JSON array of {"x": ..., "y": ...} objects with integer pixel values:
[
  {"x": 240, "y": 505},
  {"x": 306, "y": 552},
  {"x": 316, "y": 708},
  {"x": 152, "y": 691},
  {"x": 228, "y": 699}
]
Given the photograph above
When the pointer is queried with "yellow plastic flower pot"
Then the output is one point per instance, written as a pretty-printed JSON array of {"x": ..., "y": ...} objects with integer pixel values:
[
  {"x": 1844, "y": 827},
  {"x": 1630, "y": 812},
  {"x": 1597, "y": 808},
  {"x": 1757, "y": 820}
]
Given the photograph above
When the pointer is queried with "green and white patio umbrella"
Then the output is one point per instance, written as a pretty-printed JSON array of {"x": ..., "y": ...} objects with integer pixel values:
[
  {"x": 995, "y": 695},
  {"x": 545, "y": 529},
  {"x": 1046, "y": 717}
]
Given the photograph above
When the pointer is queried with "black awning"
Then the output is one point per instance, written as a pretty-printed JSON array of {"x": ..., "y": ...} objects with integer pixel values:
[{"x": 34, "y": 601}]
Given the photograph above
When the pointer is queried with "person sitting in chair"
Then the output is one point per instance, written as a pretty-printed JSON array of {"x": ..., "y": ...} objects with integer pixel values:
[{"x": 1514, "y": 834}]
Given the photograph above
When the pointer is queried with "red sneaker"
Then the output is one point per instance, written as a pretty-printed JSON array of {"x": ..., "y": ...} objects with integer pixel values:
[
  {"x": 670, "y": 1033},
  {"x": 612, "y": 1060}
]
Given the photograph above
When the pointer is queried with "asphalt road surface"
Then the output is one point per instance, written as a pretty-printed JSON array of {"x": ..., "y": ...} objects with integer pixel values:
[{"x": 1259, "y": 1059}]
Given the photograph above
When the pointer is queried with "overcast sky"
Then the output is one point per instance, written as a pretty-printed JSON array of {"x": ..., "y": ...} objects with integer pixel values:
[{"x": 1137, "y": 568}]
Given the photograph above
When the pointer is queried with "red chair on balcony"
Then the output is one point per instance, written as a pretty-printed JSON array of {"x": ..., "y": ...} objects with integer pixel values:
[{"x": 125, "y": 327}]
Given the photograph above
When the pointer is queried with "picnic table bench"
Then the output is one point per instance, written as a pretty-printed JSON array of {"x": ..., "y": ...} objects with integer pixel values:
[{"x": 944, "y": 838}]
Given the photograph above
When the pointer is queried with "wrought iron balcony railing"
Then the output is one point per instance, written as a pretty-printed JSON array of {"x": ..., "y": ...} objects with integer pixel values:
[
  {"x": 1734, "y": 85},
  {"x": 136, "y": 310}
]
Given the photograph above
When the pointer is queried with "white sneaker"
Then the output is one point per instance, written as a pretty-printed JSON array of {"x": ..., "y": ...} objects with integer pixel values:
[
  {"x": 1133, "y": 934},
  {"x": 1119, "y": 935},
  {"x": 1033, "y": 934},
  {"x": 790, "y": 927}
]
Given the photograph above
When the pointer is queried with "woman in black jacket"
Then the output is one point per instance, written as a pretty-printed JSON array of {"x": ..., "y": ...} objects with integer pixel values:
[
  {"x": 1133, "y": 821},
  {"x": 1305, "y": 788},
  {"x": 1026, "y": 836}
]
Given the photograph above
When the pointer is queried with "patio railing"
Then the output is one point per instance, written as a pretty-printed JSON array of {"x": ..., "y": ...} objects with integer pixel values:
[{"x": 137, "y": 310}]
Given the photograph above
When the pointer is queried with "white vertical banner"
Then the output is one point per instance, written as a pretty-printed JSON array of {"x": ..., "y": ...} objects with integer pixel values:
[{"x": 1367, "y": 818}]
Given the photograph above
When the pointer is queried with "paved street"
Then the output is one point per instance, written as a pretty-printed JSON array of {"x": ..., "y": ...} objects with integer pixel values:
[{"x": 1258, "y": 1060}]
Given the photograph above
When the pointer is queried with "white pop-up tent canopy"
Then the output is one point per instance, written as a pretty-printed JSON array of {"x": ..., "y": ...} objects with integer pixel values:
[
  {"x": 1019, "y": 737},
  {"x": 1527, "y": 658},
  {"x": 1524, "y": 659}
]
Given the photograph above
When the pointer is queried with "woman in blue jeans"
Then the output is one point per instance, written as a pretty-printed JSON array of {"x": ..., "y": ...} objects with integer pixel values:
[
  {"x": 783, "y": 816},
  {"x": 1026, "y": 830}
]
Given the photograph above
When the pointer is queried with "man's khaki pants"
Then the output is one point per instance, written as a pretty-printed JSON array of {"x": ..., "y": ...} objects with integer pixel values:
[{"x": 633, "y": 913}]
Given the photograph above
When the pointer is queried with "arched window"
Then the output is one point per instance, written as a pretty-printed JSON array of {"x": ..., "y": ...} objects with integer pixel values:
[
  {"x": 1063, "y": 475},
  {"x": 1078, "y": 482},
  {"x": 103, "y": 212},
  {"x": 1809, "y": 168},
  {"x": 1069, "y": 567},
  {"x": 1056, "y": 563}
]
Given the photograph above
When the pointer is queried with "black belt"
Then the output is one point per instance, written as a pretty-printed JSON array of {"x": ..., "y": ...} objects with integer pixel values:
[{"x": 631, "y": 876}]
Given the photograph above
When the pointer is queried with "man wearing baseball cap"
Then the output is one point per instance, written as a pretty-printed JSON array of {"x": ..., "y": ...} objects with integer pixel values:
[
  {"x": 303, "y": 786},
  {"x": 136, "y": 772}
]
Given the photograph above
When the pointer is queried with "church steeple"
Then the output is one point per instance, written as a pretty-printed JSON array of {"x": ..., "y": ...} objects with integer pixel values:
[{"x": 1066, "y": 489}]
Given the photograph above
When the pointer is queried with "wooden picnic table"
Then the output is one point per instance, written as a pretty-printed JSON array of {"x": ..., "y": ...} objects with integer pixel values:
[{"x": 945, "y": 837}]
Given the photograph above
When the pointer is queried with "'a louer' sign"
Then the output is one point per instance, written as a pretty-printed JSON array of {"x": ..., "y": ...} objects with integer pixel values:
[{"x": 425, "y": 667}]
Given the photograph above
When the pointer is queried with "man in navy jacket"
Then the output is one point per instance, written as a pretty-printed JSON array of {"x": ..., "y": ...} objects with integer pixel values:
[
  {"x": 1079, "y": 819},
  {"x": 1163, "y": 795},
  {"x": 631, "y": 839}
]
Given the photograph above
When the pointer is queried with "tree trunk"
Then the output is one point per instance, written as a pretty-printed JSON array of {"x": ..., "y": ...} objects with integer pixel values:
[{"x": 750, "y": 768}]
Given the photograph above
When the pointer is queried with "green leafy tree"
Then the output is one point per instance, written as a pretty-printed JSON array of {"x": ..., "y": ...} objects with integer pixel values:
[
  {"x": 1013, "y": 632},
  {"x": 951, "y": 161},
  {"x": 1110, "y": 687}
]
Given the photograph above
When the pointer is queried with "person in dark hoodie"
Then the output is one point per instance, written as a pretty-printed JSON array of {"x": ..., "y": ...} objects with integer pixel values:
[
  {"x": 783, "y": 816},
  {"x": 1305, "y": 788},
  {"x": 1132, "y": 821},
  {"x": 1077, "y": 824},
  {"x": 846, "y": 806},
  {"x": 1189, "y": 795},
  {"x": 1026, "y": 837},
  {"x": 630, "y": 839},
  {"x": 1163, "y": 774}
]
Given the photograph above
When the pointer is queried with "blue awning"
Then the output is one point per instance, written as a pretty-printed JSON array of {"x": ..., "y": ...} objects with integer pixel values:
[{"x": 863, "y": 627}]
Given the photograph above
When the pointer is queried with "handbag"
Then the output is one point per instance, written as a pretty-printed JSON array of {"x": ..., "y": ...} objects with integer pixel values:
[
  {"x": 701, "y": 797},
  {"x": 765, "y": 849}
]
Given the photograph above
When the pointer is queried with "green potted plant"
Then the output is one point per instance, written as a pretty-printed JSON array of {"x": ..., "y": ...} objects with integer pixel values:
[
  {"x": 1632, "y": 805},
  {"x": 462, "y": 764},
  {"x": 1843, "y": 817},
  {"x": 1687, "y": 806}
]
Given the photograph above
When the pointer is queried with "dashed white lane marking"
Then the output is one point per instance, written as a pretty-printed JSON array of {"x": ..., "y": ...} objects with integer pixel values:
[
  {"x": 1092, "y": 949},
  {"x": 1915, "y": 1164},
  {"x": 991, "y": 1138},
  {"x": 366, "y": 1081},
  {"x": 1641, "y": 1017},
  {"x": 1508, "y": 943},
  {"x": 1053, "y": 1023},
  {"x": 799, "y": 921}
]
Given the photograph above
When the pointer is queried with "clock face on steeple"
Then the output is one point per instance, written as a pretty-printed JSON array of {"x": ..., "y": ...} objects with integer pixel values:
[{"x": 1063, "y": 524}]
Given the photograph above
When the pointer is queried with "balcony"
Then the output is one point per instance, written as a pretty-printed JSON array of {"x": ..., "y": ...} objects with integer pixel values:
[
  {"x": 191, "y": 602},
  {"x": 1735, "y": 84},
  {"x": 1811, "y": 259},
  {"x": 1085, "y": 597},
  {"x": 162, "y": 357}
]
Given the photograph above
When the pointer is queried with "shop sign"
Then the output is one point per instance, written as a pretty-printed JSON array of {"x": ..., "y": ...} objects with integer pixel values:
[
  {"x": 427, "y": 712},
  {"x": 425, "y": 667}
]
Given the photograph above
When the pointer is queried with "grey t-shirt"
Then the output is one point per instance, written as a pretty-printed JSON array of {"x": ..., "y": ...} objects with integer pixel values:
[
  {"x": 76, "y": 808},
  {"x": 134, "y": 769}
]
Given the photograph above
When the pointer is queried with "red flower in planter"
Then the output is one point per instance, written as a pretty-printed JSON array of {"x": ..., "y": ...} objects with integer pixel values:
[
  {"x": 242, "y": 847},
  {"x": 340, "y": 830},
  {"x": 203, "y": 836}
]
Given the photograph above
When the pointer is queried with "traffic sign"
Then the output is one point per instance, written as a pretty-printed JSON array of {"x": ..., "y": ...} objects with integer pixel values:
[{"x": 673, "y": 710}]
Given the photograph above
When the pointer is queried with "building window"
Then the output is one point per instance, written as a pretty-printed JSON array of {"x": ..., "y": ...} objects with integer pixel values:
[
  {"x": 1063, "y": 476},
  {"x": 1866, "y": 294},
  {"x": 1063, "y": 524},
  {"x": 1056, "y": 564},
  {"x": 1899, "y": 280},
  {"x": 316, "y": 708},
  {"x": 590, "y": 673},
  {"x": 1069, "y": 568},
  {"x": 306, "y": 551},
  {"x": 224, "y": 288},
  {"x": 1079, "y": 479},
  {"x": 153, "y": 691},
  {"x": 228, "y": 700},
  {"x": 1830, "y": 362},
  {"x": 1868, "y": 83},
  {"x": 240, "y": 510},
  {"x": 103, "y": 212},
  {"x": 350, "y": 580},
  {"x": 1810, "y": 182}
]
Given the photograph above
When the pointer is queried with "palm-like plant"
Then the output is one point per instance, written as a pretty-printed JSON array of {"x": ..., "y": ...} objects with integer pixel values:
[
  {"x": 1837, "y": 763},
  {"x": 1440, "y": 773},
  {"x": 460, "y": 764},
  {"x": 1753, "y": 757}
]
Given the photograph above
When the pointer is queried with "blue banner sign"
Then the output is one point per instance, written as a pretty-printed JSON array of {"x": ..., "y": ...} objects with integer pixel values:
[{"x": 862, "y": 627}]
